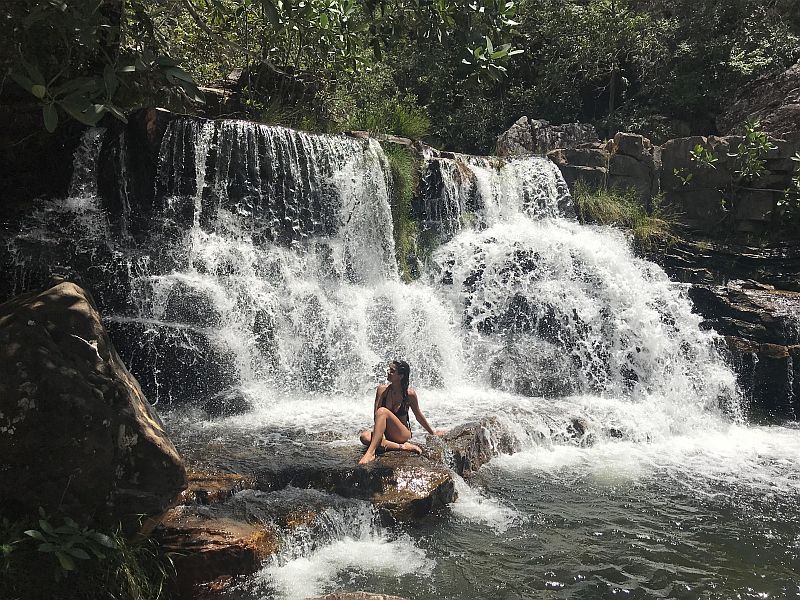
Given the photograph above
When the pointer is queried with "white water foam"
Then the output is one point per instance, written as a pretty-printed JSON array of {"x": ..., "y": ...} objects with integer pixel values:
[
  {"x": 340, "y": 541},
  {"x": 760, "y": 460},
  {"x": 475, "y": 506}
]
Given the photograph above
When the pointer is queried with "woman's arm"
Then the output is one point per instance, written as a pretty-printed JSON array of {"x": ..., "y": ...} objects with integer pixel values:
[
  {"x": 413, "y": 402},
  {"x": 378, "y": 393}
]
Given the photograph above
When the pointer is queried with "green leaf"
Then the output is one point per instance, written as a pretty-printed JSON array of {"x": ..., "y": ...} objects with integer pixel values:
[
  {"x": 116, "y": 112},
  {"x": 50, "y": 115},
  {"x": 81, "y": 109},
  {"x": 178, "y": 73},
  {"x": 45, "y": 526},
  {"x": 22, "y": 81},
  {"x": 78, "y": 553},
  {"x": 66, "y": 562},
  {"x": 166, "y": 61},
  {"x": 34, "y": 73},
  {"x": 35, "y": 534},
  {"x": 46, "y": 547}
]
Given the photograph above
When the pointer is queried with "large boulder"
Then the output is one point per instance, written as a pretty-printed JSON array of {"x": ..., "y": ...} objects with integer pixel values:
[
  {"x": 76, "y": 432},
  {"x": 536, "y": 136}
]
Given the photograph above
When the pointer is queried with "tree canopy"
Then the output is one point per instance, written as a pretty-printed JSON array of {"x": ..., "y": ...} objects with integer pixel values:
[{"x": 459, "y": 70}]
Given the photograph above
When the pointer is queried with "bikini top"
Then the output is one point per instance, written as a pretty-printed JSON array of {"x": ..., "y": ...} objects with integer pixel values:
[{"x": 402, "y": 411}]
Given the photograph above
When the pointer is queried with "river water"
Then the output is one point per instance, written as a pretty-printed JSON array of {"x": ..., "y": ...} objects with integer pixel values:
[{"x": 268, "y": 279}]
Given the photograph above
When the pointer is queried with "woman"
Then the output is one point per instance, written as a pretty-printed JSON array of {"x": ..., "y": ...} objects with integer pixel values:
[{"x": 392, "y": 427}]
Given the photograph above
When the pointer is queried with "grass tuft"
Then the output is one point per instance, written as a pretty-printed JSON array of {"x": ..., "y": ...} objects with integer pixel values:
[
  {"x": 394, "y": 116},
  {"x": 623, "y": 208}
]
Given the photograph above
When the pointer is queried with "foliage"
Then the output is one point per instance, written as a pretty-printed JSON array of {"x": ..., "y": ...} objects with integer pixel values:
[
  {"x": 396, "y": 116},
  {"x": 83, "y": 563},
  {"x": 623, "y": 208},
  {"x": 71, "y": 59},
  {"x": 750, "y": 152},
  {"x": 85, "y": 59},
  {"x": 405, "y": 175},
  {"x": 748, "y": 162}
]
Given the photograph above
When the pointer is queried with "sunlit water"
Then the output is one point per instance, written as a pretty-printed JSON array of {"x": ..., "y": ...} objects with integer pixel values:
[{"x": 281, "y": 288}]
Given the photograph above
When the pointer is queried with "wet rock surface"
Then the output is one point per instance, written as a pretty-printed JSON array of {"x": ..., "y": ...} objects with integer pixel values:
[
  {"x": 715, "y": 263},
  {"x": 399, "y": 484},
  {"x": 761, "y": 326},
  {"x": 209, "y": 546},
  {"x": 468, "y": 447},
  {"x": 64, "y": 392}
]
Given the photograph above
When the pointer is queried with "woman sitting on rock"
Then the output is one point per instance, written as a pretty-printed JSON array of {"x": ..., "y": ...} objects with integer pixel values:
[{"x": 392, "y": 430}]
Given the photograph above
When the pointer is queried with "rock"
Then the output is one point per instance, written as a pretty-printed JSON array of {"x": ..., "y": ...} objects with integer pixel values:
[
  {"x": 593, "y": 177},
  {"x": 210, "y": 548},
  {"x": 584, "y": 157},
  {"x": 474, "y": 444},
  {"x": 355, "y": 596},
  {"x": 200, "y": 368},
  {"x": 633, "y": 145},
  {"x": 411, "y": 486},
  {"x": 64, "y": 392},
  {"x": 773, "y": 99},
  {"x": 533, "y": 136},
  {"x": 401, "y": 485},
  {"x": 226, "y": 403},
  {"x": 762, "y": 330},
  {"x": 213, "y": 488},
  {"x": 762, "y": 316},
  {"x": 777, "y": 265}
]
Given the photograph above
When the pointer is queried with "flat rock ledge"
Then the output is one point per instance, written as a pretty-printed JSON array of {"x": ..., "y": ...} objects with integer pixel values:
[{"x": 210, "y": 548}]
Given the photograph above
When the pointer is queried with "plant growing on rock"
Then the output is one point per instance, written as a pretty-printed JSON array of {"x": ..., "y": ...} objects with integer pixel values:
[
  {"x": 87, "y": 564},
  {"x": 748, "y": 162}
]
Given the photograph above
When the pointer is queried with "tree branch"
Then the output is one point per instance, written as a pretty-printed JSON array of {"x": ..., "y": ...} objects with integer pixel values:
[{"x": 226, "y": 42}]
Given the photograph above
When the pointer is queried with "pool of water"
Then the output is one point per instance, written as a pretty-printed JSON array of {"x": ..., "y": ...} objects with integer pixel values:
[{"x": 709, "y": 512}]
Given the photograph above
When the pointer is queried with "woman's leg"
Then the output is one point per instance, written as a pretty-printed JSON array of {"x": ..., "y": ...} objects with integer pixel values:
[
  {"x": 397, "y": 435},
  {"x": 366, "y": 438}
]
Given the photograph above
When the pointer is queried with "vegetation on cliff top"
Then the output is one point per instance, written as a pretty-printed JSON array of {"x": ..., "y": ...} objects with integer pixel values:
[{"x": 469, "y": 67}]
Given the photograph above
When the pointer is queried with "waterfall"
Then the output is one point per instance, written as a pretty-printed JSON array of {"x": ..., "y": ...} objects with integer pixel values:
[
  {"x": 461, "y": 191},
  {"x": 280, "y": 272},
  {"x": 265, "y": 275}
]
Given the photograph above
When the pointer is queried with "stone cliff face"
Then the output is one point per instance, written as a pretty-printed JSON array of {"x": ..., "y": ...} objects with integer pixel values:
[{"x": 773, "y": 100}]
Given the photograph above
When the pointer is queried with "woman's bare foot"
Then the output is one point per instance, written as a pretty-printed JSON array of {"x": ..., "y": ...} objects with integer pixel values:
[
  {"x": 409, "y": 447},
  {"x": 367, "y": 458}
]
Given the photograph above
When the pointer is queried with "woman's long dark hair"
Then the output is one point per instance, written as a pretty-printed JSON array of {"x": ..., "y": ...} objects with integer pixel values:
[{"x": 404, "y": 370}]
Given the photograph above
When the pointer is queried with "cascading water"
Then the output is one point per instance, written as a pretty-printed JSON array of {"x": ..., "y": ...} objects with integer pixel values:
[{"x": 265, "y": 277}]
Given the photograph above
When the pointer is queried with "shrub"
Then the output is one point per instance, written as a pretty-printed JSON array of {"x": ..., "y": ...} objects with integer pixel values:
[
  {"x": 623, "y": 208},
  {"x": 64, "y": 561}
]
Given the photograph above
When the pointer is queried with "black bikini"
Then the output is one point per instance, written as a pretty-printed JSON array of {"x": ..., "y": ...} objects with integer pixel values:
[{"x": 402, "y": 411}]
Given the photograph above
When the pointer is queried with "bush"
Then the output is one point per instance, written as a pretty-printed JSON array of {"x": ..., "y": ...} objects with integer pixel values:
[
  {"x": 64, "y": 561},
  {"x": 623, "y": 208}
]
